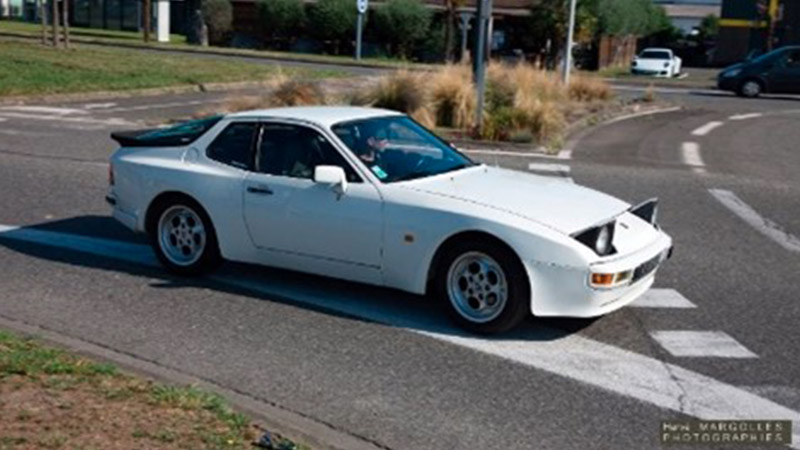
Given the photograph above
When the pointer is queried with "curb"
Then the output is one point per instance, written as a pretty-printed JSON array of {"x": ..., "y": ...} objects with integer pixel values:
[
  {"x": 272, "y": 416},
  {"x": 580, "y": 132},
  {"x": 146, "y": 92}
]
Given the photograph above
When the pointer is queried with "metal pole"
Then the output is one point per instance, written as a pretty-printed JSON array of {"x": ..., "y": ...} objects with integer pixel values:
[
  {"x": 568, "y": 50},
  {"x": 484, "y": 12},
  {"x": 359, "y": 30},
  {"x": 65, "y": 21},
  {"x": 54, "y": 8}
]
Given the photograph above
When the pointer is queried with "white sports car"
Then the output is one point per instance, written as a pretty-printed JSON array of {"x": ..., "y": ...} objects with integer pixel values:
[
  {"x": 371, "y": 196},
  {"x": 659, "y": 62}
]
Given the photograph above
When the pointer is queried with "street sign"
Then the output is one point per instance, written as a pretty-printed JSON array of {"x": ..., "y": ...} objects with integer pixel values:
[{"x": 361, "y": 5}]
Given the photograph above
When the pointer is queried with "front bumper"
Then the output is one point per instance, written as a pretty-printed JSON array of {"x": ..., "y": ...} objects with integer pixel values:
[
  {"x": 565, "y": 291},
  {"x": 727, "y": 83},
  {"x": 656, "y": 73}
]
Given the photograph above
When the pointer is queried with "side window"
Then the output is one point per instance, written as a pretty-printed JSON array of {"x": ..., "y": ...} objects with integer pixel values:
[
  {"x": 794, "y": 59},
  {"x": 294, "y": 151},
  {"x": 234, "y": 146}
]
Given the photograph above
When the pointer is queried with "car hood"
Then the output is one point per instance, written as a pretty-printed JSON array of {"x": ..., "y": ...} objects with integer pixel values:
[{"x": 550, "y": 201}]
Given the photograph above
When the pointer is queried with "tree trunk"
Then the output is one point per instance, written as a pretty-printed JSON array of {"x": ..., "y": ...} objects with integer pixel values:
[
  {"x": 43, "y": 18},
  {"x": 146, "y": 20},
  {"x": 54, "y": 5},
  {"x": 448, "y": 30},
  {"x": 65, "y": 21}
]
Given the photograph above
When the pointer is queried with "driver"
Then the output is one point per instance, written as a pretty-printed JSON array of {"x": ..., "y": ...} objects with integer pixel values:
[{"x": 370, "y": 144}]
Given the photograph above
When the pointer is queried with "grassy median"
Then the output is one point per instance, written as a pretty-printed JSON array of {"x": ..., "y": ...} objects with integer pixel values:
[
  {"x": 29, "y": 69},
  {"x": 52, "y": 399}
]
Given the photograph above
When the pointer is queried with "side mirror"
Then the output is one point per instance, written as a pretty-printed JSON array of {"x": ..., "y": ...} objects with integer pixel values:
[{"x": 333, "y": 176}]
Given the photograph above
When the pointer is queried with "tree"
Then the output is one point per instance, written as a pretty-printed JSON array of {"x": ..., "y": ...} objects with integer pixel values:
[
  {"x": 402, "y": 23},
  {"x": 218, "y": 16},
  {"x": 281, "y": 18},
  {"x": 548, "y": 27},
  {"x": 451, "y": 18},
  {"x": 333, "y": 20},
  {"x": 709, "y": 27}
]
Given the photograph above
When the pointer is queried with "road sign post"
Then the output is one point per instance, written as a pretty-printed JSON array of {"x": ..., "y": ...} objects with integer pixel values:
[{"x": 361, "y": 6}]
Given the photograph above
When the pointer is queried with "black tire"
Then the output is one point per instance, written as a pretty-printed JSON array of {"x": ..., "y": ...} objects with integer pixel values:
[
  {"x": 517, "y": 303},
  {"x": 204, "y": 260},
  {"x": 751, "y": 88}
]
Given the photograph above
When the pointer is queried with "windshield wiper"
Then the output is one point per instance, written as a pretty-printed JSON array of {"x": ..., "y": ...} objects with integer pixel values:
[
  {"x": 413, "y": 175},
  {"x": 428, "y": 173}
]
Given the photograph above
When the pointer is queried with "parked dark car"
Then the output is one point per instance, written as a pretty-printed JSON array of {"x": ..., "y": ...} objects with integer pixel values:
[{"x": 775, "y": 72}]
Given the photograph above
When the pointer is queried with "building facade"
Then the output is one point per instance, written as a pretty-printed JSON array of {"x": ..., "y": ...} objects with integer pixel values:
[{"x": 750, "y": 27}]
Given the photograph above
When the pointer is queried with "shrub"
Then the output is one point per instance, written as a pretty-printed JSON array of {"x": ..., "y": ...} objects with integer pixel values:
[
  {"x": 587, "y": 89},
  {"x": 333, "y": 20},
  {"x": 218, "y": 16},
  {"x": 402, "y": 23},
  {"x": 281, "y": 18},
  {"x": 452, "y": 96}
]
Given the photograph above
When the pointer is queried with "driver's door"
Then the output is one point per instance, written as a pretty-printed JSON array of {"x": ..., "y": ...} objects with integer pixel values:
[{"x": 304, "y": 225}]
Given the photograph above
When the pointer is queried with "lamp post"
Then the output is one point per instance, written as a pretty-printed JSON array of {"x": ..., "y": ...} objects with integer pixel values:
[{"x": 568, "y": 51}]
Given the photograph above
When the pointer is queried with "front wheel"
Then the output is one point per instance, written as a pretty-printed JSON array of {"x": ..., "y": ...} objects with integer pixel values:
[
  {"x": 485, "y": 287},
  {"x": 750, "y": 89},
  {"x": 184, "y": 239}
]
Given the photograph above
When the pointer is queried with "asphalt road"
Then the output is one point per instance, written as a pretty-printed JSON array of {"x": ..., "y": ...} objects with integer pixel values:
[{"x": 718, "y": 338}]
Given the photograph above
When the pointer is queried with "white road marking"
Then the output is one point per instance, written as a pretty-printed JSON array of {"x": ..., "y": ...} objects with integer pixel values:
[
  {"x": 708, "y": 344},
  {"x": 745, "y": 116},
  {"x": 613, "y": 369},
  {"x": 767, "y": 227},
  {"x": 662, "y": 298},
  {"x": 690, "y": 152},
  {"x": 542, "y": 167},
  {"x": 2, "y": 119},
  {"x": 110, "y": 121},
  {"x": 707, "y": 128},
  {"x": 43, "y": 110},
  {"x": 161, "y": 105},
  {"x": 99, "y": 105}
]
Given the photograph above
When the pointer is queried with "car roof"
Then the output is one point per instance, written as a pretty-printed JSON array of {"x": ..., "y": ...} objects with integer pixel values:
[
  {"x": 656, "y": 49},
  {"x": 321, "y": 115}
]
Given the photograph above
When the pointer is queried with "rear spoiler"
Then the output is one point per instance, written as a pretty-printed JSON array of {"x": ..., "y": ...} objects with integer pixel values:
[
  {"x": 131, "y": 138},
  {"x": 149, "y": 138}
]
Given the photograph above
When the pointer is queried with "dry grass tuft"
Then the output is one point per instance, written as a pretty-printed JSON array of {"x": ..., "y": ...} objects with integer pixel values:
[
  {"x": 452, "y": 96},
  {"x": 296, "y": 93},
  {"x": 400, "y": 91},
  {"x": 584, "y": 88}
]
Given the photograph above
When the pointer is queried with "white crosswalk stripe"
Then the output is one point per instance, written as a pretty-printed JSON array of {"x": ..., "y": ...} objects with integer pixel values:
[
  {"x": 662, "y": 298},
  {"x": 552, "y": 170},
  {"x": 709, "y": 344}
]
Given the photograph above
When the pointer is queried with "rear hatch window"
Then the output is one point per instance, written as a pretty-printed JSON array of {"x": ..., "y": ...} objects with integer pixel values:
[{"x": 175, "y": 136}]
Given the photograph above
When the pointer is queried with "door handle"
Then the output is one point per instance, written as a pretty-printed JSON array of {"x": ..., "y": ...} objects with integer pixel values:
[{"x": 261, "y": 190}]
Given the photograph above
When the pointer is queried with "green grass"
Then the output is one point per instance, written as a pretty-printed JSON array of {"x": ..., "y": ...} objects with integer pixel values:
[
  {"x": 185, "y": 413},
  {"x": 36, "y": 29},
  {"x": 177, "y": 42},
  {"x": 29, "y": 68}
]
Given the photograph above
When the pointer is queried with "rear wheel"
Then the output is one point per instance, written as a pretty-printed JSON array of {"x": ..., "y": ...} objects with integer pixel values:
[
  {"x": 183, "y": 238},
  {"x": 484, "y": 285},
  {"x": 750, "y": 89}
]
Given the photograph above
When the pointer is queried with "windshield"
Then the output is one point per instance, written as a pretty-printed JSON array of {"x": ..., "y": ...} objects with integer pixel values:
[
  {"x": 397, "y": 148},
  {"x": 768, "y": 57},
  {"x": 654, "y": 54}
]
